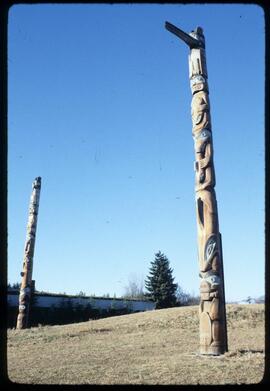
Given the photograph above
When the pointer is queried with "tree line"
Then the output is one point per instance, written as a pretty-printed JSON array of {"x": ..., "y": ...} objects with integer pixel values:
[
  {"x": 161, "y": 288},
  {"x": 159, "y": 285}
]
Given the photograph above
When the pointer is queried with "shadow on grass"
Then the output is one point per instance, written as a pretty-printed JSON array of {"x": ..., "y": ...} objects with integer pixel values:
[{"x": 242, "y": 352}]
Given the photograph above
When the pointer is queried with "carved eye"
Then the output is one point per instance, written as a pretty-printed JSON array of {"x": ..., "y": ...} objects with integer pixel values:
[
  {"x": 210, "y": 248},
  {"x": 197, "y": 79},
  {"x": 214, "y": 280},
  {"x": 205, "y": 134}
]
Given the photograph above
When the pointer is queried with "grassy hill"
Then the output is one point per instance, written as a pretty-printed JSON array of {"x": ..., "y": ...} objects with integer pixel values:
[{"x": 154, "y": 347}]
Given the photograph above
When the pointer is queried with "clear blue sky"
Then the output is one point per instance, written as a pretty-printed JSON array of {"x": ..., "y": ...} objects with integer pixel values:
[{"x": 99, "y": 107}]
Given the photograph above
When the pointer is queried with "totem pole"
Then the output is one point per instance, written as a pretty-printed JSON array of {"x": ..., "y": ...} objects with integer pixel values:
[
  {"x": 212, "y": 312},
  {"x": 27, "y": 284}
]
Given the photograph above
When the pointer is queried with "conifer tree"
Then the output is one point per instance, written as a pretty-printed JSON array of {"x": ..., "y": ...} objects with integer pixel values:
[{"x": 159, "y": 283}]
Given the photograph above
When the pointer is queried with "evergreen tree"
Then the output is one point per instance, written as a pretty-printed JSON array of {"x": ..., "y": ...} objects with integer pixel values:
[{"x": 159, "y": 283}]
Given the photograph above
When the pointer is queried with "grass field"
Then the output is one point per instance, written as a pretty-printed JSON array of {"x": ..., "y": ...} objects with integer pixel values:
[{"x": 154, "y": 347}]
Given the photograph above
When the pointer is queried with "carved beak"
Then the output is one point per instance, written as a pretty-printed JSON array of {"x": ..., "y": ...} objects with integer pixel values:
[{"x": 190, "y": 41}]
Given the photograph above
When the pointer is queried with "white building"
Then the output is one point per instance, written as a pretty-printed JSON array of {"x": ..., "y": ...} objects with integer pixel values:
[{"x": 102, "y": 303}]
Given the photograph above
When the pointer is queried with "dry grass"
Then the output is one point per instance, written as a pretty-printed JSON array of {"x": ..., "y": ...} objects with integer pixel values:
[{"x": 154, "y": 347}]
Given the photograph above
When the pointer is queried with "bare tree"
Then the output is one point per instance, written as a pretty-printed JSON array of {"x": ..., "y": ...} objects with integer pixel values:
[
  {"x": 184, "y": 298},
  {"x": 135, "y": 286}
]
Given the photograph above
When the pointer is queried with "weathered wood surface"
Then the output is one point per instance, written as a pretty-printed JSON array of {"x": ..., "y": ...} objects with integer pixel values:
[
  {"x": 213, "y": 337},
  {"x": 26, "y": 284},
  {"x": 213, "y": 332}
]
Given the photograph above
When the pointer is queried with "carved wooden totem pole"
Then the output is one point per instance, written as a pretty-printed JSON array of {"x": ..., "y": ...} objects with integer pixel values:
[
  {"x": 26, "y": 285},
  {"x": 212, "y": 312}
]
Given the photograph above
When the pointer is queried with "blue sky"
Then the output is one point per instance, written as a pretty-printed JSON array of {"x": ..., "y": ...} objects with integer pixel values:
[{"x": 99, "y": 107}]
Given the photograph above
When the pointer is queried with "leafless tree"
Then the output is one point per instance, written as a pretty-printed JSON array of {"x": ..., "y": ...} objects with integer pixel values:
[
  {"x": 184, "y": 298},
  {"x": 135, "y": 287}
]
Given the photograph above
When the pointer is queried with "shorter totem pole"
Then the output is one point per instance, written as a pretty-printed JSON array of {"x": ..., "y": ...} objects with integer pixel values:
[
  {"x": 27, "y": 284},
  {"x": 213, "y": 331}
]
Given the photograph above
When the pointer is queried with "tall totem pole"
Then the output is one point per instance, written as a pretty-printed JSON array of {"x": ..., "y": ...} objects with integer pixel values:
[
  {"x": 212, "y": 312},
  {"x": 26, "y": 285}
]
